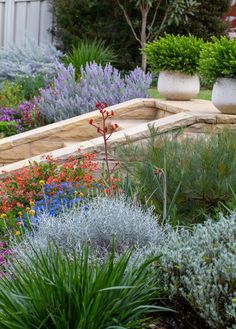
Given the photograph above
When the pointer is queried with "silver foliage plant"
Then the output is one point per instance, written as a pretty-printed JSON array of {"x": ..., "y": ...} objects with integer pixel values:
[
  {"x": 201, "y": 266},
  {"x": 28, "y": 60},
  {"x": 68, "y": 98},
  {"x": 99, "y": 223}
]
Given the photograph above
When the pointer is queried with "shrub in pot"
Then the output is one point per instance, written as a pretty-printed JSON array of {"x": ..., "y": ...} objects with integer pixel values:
[
  {"x": 176, "y": 58},
  {"x": 218, "y": 67}
]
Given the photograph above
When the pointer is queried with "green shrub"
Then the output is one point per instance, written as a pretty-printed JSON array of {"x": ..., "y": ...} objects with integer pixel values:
[
  {"x": 87, "y": 52},
  {"x": 8, "y": 128},
  {"x": 52, "y": 291},
  {"x": 218, "y": 59},
  {"x": 14, "y": 93},
  {"x": 200, "y": 173},
  {"x": 11, "y": 94},
  {"x": 30, "y": 86},
  {"x": 174, "y": 53}
]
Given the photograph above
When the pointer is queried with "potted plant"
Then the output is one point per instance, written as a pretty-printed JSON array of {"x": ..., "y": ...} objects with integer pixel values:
[
  {"x": 218, "y": 67},
  {"x": 176, "y": 58}
]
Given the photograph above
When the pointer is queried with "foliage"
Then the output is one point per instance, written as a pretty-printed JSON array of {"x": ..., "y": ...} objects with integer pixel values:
[
  {"x": 218, "y": 59},
  {"x": 14, "y": 93},
  {"x": 8, "y": 128},
  {"x": 207, "y": 20},
  {"x": 68, "y": 98},
  {"x": 174, "y": 53},
  {"x": 30, "y": 60},
  {"x": 200, "y": 173},
  {"x": 20, "y": 190},
  {"x": 31, "y": 85},
  {"x": 80, "y": 20},
  {"x": 5, "y": 254},
  {"x": 200, "y": 266},
  {"x": 96, "y": 222},
  {"x": 88, "y": 52},
  {"x": 152, "y": 22},
  {"x": 54, "y": 291},
  {"x": 10, "y": 94}
]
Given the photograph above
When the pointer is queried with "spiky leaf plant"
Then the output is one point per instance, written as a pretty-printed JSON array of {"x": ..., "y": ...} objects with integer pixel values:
[
  {"x": 86, "y": 52},
  {"x": 55, "y": 291},
  {"x": 200, "y": 173}
]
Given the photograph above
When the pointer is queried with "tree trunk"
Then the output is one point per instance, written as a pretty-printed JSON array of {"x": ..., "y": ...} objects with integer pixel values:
[
  {"x": 144, "y": 62},
  {"x": 144, "y": 12}
]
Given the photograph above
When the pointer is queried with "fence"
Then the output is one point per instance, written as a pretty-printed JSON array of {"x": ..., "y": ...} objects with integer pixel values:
[{"x": 24, "y": 18}]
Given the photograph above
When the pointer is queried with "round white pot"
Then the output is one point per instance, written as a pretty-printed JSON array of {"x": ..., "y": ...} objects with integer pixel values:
[
  {"x": 178, "y": 86},
  {"x": 224, "y": 95}
]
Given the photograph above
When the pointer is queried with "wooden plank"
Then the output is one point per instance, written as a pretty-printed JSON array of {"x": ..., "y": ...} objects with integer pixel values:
[
  {"x": 33, "y": 19},
  {"x": 20, "y": 16},
  {"x": 2, "y": 23},
  {"x": 45, "y": 23}
]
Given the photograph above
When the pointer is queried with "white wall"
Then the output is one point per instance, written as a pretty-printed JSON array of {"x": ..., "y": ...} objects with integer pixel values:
[{"x": 24, "y": 18}]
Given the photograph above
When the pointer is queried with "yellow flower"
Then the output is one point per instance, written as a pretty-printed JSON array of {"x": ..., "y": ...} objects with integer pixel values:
[
  {"x": 18, "y": 233},
  {"x": 27, "y": 209},
  {"x": 42, "y": 182},
  {"x": 32, "y": 212},
  {"x": 31, "y": 203},
  {"x": 3, "y": 216},
  {"x": 76, "y": 192},
  {"x": 20, "y": 213},
  {"x": 81, "y": 194}
]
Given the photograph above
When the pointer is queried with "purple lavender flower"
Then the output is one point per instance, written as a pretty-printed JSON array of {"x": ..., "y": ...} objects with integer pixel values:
[{"x": 67, "y": 98}]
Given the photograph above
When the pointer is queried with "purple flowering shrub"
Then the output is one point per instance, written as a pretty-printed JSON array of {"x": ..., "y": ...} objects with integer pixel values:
[
  {"x": 68, "y": 98},
  {"x": 26, "y": 117}
]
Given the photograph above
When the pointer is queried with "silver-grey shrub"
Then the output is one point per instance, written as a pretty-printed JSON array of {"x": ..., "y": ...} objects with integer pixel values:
[
  {"x": 68, "y": 98},
  {"x": 201, "y": 266},
  {"x": 100, "y": 223},
  {"x": 28, "y": 60}
]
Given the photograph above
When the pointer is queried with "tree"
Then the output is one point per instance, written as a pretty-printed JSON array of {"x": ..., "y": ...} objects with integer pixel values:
[
  {"x": 156, "y": 15},
  {"x": 207, "y": 20}
]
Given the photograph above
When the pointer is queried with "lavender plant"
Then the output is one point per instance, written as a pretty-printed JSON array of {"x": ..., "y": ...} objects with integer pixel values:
[
  {"x": 200, "y": 266},
  {"x": 30, "y": 60},
  {"x": 67, "y": 98},
  {"x": 96, "y": 223}
]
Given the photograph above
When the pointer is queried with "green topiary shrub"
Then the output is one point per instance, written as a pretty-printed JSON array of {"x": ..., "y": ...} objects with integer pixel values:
[
  {"x": 88, "y": 52},
  {"x": 218, "y": 59},
  {"x": 174, "y": 53}
]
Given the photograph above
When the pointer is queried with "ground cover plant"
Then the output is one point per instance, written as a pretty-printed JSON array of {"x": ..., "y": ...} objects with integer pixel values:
[
  {"x": 200, "y": 174},
  {"x": 102, "y": 222},
  {"x": 199, "y": 266},
  {"x": 54, "y": 291}
]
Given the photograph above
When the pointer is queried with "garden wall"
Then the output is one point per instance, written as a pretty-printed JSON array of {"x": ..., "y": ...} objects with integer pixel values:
[{"x": 62, "y": 139}]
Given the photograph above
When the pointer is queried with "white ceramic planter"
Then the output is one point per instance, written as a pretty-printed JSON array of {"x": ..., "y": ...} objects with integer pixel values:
[
  {"x": 224, "y": 95},
  {"x": 178, "y": 86}
]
